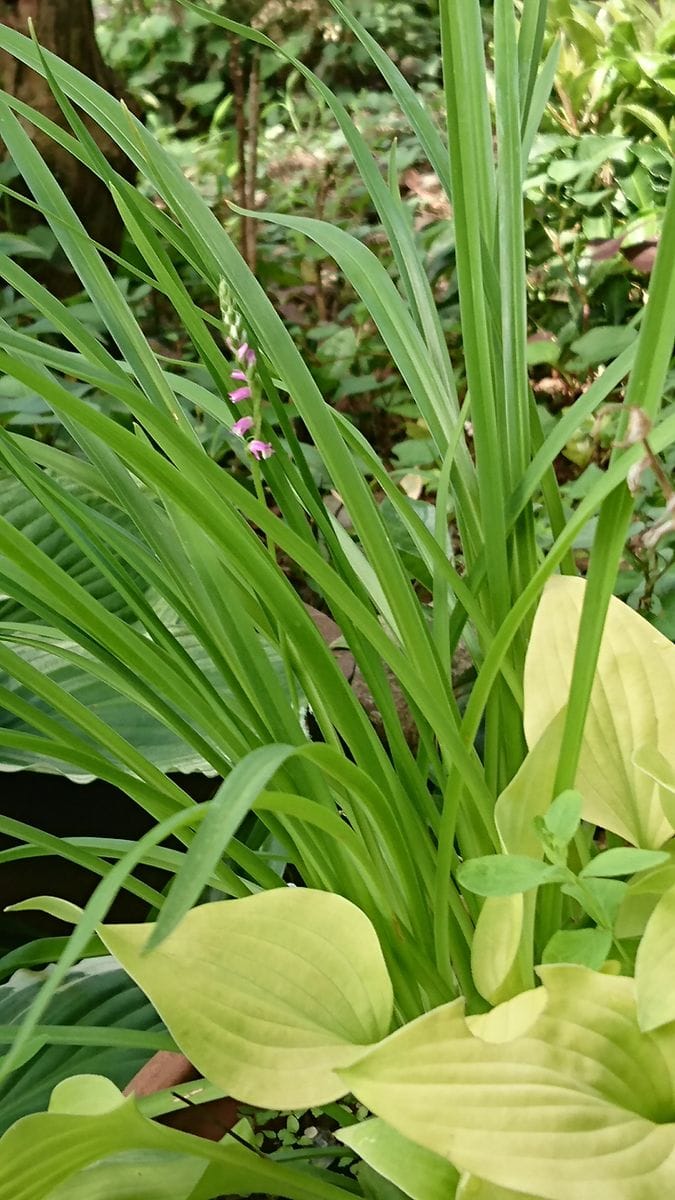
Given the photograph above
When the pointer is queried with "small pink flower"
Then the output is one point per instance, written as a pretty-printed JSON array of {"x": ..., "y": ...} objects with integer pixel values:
[
  {"x": 250, "y": 358},
  {"x": 260, "y": 449},
  {"x": 239, "y": 375},
  {"x": 242, "y": 352},
  {"x": 242, "y": 426},
  {"x": 239, "y": 394}
]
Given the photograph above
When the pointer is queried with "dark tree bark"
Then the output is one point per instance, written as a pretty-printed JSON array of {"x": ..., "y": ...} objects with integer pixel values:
[{"x": 65, "y": 27}]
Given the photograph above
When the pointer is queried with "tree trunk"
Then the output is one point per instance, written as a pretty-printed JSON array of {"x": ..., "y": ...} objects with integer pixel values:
[{"x": 65, "y": 27}]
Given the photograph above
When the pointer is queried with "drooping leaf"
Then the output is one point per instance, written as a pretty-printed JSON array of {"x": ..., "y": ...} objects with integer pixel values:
[
  {"x": 632, "y": 705},
  {"x": 419, "y": 1173},
  {"x": 562, "y": 1097},
  {"x": 269, "y": 995}
]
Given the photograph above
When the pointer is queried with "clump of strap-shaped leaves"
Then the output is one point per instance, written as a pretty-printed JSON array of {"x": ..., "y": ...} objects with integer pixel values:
[
  {"x": 284, "y": 999},
  {"x": 148, "y": 627}
]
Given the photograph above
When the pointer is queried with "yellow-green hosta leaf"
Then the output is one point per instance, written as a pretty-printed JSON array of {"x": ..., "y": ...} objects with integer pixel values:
[
  {"x": 471, "y": 1188},
  {"x": 499, "y": 964},
  {"x": 501, "y": 952},
  {"x": 656, "y": 766},
  {"x": 632, "y": 706},
  {"x": 268, "y": 995},
  {"x": 567, "y": 1100},
  {"x": 418, "y": 1172},
  {"x": 655, "y": 966}
]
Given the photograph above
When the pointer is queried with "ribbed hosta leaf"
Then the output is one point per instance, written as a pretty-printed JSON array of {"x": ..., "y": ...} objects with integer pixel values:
[
  {"x": 161, "y": 745},
  {"x": 19, "y": 506},
  {"x": 145, "y": 732},
  {"x": 556, "y": 1093},
  {"x": 96, "y": 993},
  {"x": 632, "y": 706},
  {"x": 267, "y": 996}
]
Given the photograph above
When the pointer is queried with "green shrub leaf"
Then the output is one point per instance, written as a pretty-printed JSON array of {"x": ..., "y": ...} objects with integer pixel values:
[
  {"x": 505, "y": 874},
  {"x": 623, "y": 860},
  {"x": 588, "y": 947}
]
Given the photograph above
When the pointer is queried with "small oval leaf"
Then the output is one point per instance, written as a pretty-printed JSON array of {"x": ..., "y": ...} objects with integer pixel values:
[
  {"x": 505, "y": 874},
  {"x": 623, "y": 860}
]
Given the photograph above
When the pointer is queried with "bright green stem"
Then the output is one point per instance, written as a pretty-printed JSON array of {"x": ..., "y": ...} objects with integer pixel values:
[{"x": 645, "y": 388}]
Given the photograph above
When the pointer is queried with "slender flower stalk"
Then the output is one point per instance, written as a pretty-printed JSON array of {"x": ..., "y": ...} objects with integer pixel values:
[{"x": 244, "y": 374}]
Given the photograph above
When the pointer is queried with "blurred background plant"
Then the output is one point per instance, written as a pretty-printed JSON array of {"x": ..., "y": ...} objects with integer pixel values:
[{"x": 246, "y": 128}]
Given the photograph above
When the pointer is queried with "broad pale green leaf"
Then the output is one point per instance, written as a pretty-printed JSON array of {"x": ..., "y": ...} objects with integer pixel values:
[
  {"x": 655, "y": 966},
  {"x": 557, "y": 1093},
  {"x": 642, "y": 896},
  {"x": 419, "y": 1173},
  {"x": 96, "y": 993},
  {"x": 632, "y": 705},
  {"x": 504, "y": 874},
  {"x": 85, "y": 1095},
  {"x": 267, "y": 996}
]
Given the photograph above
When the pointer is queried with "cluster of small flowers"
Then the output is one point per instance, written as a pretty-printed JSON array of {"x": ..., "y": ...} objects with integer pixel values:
[{"x": 241, "y": 376}]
